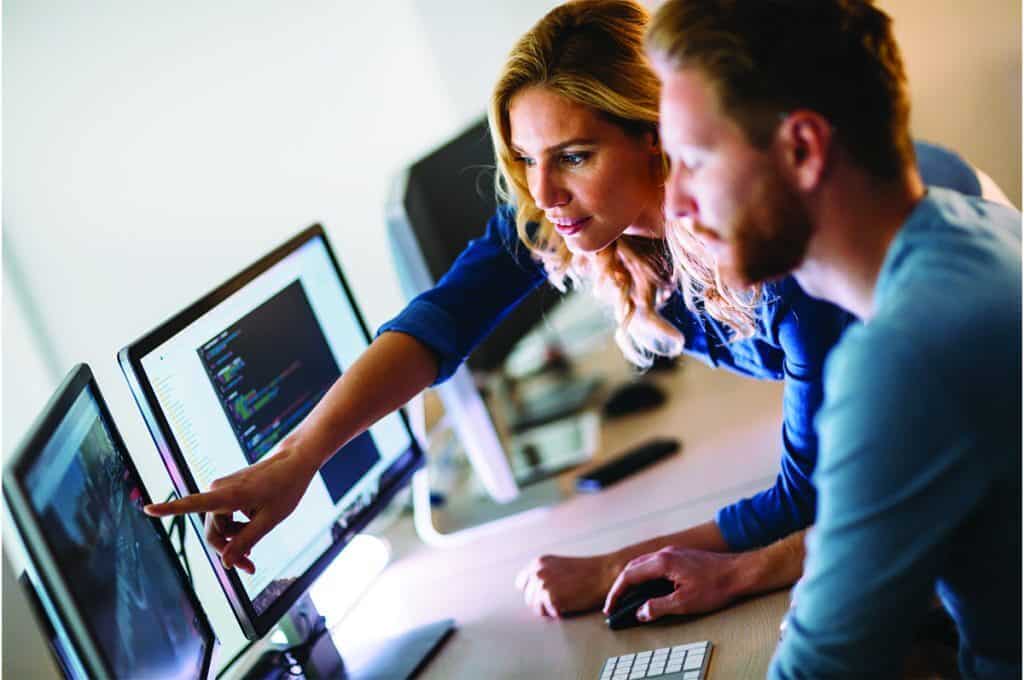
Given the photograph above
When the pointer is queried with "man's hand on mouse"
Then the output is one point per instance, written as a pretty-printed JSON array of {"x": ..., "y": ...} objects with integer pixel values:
[
  {"x": 705, "y": 581},
  {"x": 554, "y": 586}
]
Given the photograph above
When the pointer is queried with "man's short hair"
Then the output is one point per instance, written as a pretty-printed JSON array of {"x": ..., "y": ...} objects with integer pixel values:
[{"x": 766, "y": 58}]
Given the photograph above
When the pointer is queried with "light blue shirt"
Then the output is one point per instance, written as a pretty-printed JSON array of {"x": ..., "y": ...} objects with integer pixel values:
[{"x": 919, "y": 470}]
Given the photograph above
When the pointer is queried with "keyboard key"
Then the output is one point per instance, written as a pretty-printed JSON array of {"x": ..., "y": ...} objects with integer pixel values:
[{"x": 693, "y": 661}]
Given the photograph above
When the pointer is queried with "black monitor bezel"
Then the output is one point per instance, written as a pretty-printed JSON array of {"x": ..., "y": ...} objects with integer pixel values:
[
  {"x": 253, "y": 625},
  {"x": 40, "y": 552}
]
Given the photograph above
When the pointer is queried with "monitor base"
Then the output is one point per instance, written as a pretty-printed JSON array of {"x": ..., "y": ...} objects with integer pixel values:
[{"x": 396, "y": 658}]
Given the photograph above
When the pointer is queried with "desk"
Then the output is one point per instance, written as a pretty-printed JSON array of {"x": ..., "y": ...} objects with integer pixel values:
[{"x": 730, "y": 426}]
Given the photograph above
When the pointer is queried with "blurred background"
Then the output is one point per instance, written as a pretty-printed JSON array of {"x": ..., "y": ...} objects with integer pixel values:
[{"x": 152, "y": 149}]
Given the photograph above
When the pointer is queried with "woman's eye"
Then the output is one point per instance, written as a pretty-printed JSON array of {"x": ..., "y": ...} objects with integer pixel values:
[
  {"x": 528, "y": 162},
  {"x": 574, "y": 159}
]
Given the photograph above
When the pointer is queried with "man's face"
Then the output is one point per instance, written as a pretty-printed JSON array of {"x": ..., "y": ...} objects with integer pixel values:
[{"x": 731, "y": 194}]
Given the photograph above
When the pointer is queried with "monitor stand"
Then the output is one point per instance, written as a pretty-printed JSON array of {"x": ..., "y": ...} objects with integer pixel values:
[{"x": 395, "y": 658}]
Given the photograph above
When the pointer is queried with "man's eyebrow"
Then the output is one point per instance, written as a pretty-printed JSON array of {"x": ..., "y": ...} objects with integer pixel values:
[{"x": 575, "y": 141}]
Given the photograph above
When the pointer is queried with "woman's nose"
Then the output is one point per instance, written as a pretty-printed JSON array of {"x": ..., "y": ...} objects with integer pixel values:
[
  {"x": 547, "y": 190},
  {"x": 679, "y": 201}
]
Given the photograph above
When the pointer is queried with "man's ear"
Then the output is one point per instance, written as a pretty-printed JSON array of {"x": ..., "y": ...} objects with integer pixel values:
[{"x": 804, "y": 139}]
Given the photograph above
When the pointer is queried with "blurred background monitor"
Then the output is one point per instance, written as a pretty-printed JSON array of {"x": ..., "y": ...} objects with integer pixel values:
[{"x": 440, "y": 203}]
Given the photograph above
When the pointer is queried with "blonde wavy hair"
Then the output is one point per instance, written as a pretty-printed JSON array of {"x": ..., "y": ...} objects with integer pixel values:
[{"x": 592, "y": 52}]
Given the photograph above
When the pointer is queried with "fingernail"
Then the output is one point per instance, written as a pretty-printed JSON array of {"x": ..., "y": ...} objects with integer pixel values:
[{"x": 643, "y": 614}]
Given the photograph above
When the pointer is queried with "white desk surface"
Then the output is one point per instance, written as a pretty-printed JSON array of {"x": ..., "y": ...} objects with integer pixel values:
[{"x": 731, "y": 432}]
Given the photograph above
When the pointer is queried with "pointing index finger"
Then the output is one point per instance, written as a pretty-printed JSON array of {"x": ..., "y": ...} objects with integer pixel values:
[{"x": 211, "y": 501}]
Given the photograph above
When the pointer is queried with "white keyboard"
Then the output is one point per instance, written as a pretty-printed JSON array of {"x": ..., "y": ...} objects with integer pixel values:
[{"x": 682, "y": 662}]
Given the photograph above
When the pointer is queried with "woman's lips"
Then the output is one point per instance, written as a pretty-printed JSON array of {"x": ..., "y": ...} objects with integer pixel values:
[{"x": 568, "y": 228}]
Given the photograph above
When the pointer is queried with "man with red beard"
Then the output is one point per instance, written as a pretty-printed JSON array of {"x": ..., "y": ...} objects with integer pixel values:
[{"x": 786, "y": 122}]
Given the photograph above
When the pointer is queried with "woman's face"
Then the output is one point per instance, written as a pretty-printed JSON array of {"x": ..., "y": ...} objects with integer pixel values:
[{"x": 593, "y": 181}]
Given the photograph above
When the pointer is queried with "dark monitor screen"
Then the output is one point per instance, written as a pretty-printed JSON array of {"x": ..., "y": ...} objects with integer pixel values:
[
  {"x": 448, "y": 197},
  {"x": 222, "y": 383},
  {"x": 106, "y": 574}
]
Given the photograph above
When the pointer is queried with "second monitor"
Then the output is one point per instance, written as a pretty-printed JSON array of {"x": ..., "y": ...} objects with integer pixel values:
[{"x": 223, "y": 382}]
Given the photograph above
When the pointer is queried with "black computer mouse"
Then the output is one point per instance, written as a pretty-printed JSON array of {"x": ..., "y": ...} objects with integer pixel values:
[
  {"x": 634, "y": 397},
  {"x": 624, "y": 613}
]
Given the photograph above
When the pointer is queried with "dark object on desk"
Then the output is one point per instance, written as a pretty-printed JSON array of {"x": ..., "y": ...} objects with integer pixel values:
[
  {"x": 632, "y": 398},
  {"x": 663, "y": 364},
  {"x": 399, "y": 658},
  {"x": 626, "y": 464},
  {"x": 624, "y": 613}
]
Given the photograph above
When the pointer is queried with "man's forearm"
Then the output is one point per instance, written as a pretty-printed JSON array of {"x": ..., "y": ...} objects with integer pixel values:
[
  {"x": 705, "y": 536},
  {"x": 755, "y": 571},
  {"x": 772, "y": 567}
]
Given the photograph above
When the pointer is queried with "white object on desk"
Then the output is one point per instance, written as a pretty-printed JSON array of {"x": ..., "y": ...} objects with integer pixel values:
[
  {"x": 682, "y": 662},
  {"x": 423, "y": 519},
  {"x": 428, "y": 533},
  {"x": 560, "y": 445}
]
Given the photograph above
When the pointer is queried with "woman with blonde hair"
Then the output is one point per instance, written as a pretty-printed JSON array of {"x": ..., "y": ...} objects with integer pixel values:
[{"x": 574, "y": 121}]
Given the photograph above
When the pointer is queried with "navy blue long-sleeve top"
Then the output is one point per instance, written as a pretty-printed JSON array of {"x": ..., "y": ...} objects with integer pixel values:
[{"x": 795, "y": 333}]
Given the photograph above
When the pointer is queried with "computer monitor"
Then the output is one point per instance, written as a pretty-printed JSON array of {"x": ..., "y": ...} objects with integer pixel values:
[
  {"x": 105, "y": 578},
  {"x": 223, "y": 382},
  {"x": 443, "y": 201},
  {"x": 437, "y": 205}
]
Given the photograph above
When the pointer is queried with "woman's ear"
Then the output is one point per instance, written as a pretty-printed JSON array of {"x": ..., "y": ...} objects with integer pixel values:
[
  {"x": 804, "y": 139},
  {"x": 653, "y": 141}
]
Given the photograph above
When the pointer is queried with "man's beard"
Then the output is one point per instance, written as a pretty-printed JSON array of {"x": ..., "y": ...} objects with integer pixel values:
[{"x": 769, "y": 235}]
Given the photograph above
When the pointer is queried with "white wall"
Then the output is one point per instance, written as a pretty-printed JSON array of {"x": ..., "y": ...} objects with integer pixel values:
[
  {"x": 152, "y": 149},
  {"x": 963, "y": 60}
]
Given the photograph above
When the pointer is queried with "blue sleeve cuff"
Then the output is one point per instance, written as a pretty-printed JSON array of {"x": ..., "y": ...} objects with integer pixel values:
[
  {"x": 433, "y": 327},
  {"x": 725, "y": 518},
  {"x": 768, "y": 516}
]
